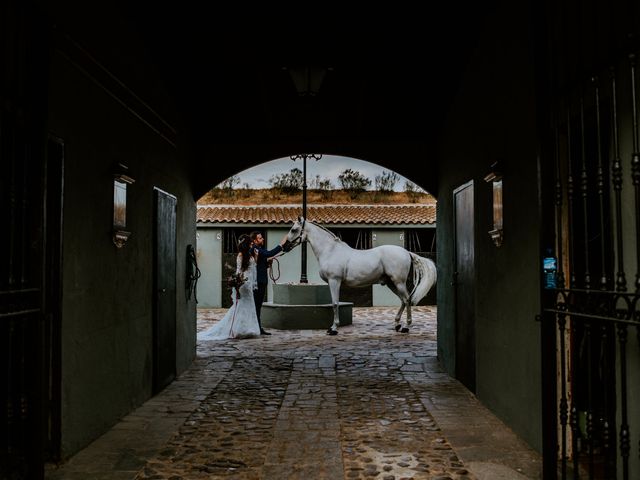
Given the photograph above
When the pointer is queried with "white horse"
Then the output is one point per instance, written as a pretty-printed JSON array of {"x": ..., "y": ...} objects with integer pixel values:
[{"x": 388, "y": 265}]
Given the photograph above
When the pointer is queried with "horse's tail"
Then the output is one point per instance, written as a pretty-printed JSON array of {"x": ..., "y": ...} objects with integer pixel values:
[{"x": 424, "y": 277}]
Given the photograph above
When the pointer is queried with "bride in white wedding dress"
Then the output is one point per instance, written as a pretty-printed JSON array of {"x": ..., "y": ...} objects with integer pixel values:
[{"x": 241, "y": 320}]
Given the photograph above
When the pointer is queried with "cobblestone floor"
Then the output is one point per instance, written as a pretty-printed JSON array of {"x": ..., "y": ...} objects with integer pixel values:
[{"x": 370, "y": 403}]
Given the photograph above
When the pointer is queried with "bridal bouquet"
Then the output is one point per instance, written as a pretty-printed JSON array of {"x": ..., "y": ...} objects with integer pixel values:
[{"x": 235, "y": 281}]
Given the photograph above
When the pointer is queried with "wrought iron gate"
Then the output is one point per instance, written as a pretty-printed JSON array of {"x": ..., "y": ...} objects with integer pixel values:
[
  {"x": 23, "y": 85},
  {"x": 591, "y": 329}
]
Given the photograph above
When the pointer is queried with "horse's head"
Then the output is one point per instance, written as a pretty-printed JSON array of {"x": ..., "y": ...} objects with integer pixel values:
[{"x": 296, "y": 235}]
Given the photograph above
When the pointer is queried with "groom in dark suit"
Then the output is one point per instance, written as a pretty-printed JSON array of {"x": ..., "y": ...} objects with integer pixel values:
[{"x": 261, "y": 267}]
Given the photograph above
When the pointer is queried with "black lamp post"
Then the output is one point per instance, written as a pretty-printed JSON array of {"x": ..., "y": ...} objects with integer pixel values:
[{"x": 304, "y": 156}]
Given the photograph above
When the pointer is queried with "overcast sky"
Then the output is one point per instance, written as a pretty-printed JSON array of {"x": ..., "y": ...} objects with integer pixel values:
[{"x": 329, "y": 166}]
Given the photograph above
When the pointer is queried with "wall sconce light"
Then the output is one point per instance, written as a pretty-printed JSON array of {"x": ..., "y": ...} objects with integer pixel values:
[
  {"x": 121, "y": 179},
  {"x": 495, "y": 177}
]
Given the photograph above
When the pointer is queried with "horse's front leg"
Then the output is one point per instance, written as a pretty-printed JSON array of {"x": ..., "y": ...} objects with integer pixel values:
[{"x": 334, "y": 287}]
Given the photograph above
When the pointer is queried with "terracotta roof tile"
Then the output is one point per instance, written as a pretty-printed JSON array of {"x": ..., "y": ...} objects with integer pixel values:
[{"x": 417, "y": 214}]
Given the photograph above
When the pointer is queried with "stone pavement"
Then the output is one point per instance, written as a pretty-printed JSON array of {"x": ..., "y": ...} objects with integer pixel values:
[{"x": 370, "y": 403}]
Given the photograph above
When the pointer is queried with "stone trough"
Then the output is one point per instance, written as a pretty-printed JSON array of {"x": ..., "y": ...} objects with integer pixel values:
[{"x": 302, "y": 306}]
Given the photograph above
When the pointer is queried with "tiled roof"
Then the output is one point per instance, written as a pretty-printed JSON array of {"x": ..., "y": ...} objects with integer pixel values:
[{"x": 420, "y": 214}]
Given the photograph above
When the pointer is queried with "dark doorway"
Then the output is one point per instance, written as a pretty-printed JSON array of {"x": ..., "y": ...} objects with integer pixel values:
[
  {"x": 164, "y": 291},
  {"x": 464, "y": 285},
  {"x": 52, "y": 304},
  {"x": 23, "y": 90}
]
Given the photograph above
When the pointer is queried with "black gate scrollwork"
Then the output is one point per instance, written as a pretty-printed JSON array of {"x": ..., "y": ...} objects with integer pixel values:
[{"x": 593, "y": 157}]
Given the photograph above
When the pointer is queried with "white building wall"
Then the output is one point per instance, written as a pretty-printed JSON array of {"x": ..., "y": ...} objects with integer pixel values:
[
  {"x": 381, "y": 295},
  {"x": 209, "y": 257}
]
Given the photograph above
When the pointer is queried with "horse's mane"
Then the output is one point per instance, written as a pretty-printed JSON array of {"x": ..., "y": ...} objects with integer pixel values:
[{"x": 335, "y": 237}]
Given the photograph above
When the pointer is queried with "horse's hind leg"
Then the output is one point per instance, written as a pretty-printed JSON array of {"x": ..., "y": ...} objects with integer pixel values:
[
  {"x": 394, "y": 288},
  {"x": 398, "y": 325},
  {"x": 334, "y": 287},
  {"x": 401, "y": 291}
]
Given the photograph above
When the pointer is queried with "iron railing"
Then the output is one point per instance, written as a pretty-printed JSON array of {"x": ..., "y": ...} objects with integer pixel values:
[
  {"x": 593, "y": 330},
  {"x": 591, "y": 197}
]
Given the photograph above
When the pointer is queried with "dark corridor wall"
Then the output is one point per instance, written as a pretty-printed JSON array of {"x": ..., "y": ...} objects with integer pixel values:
[
  {"x": 107, "y": 292},
  {"x": 493, "y": 119}
]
